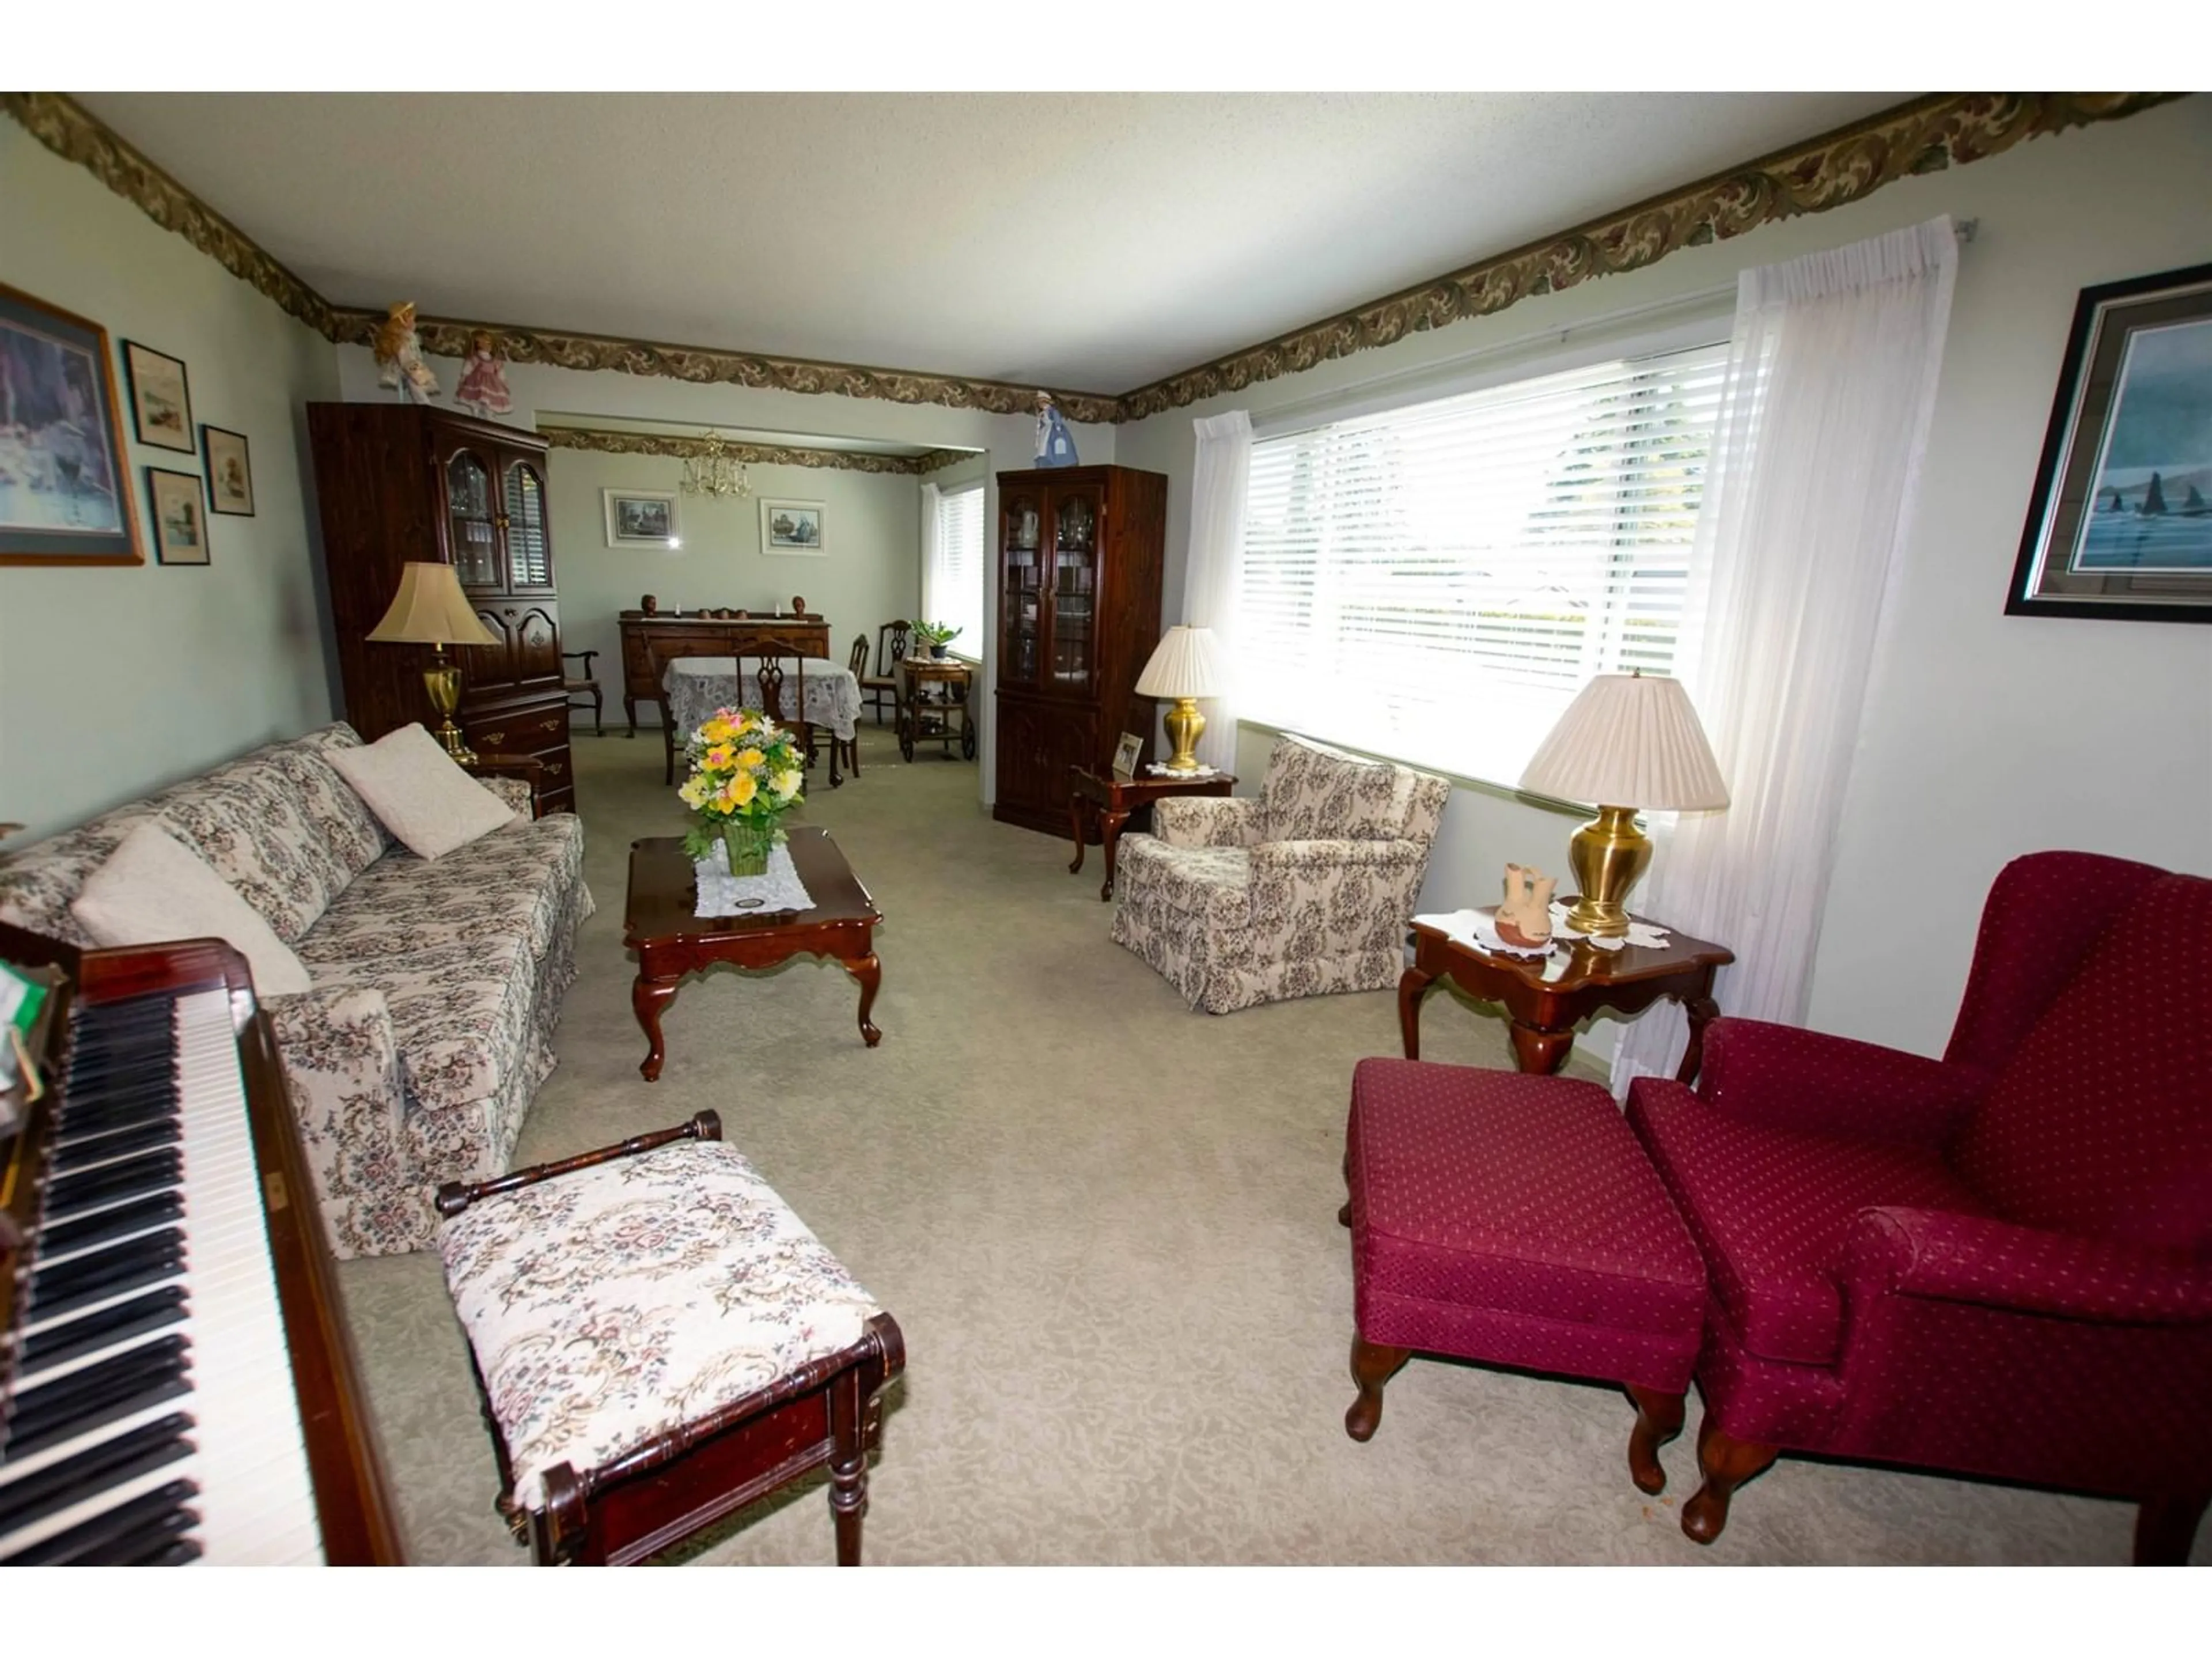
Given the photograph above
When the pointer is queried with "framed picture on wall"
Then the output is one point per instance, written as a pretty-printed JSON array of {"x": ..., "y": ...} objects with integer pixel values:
[
  {"x": 161, "y": 402},
  {"x": 640, "y": 518},
  {"x": 229, "y": 472},
  {"x": 64, "y": 479},
  {"x": 180, "y": 531},
  {"x": 2120, "y": 522},
  {"x": 792, "y": 527}
]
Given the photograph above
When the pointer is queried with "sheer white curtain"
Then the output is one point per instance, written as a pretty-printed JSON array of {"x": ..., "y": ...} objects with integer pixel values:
[
  {"x": 931, "y": 553},
  {"x": 1219, "y": 483},
  {"x": 1824, "y": 418}
]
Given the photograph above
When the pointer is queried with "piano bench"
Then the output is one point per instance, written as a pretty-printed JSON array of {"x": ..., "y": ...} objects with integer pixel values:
[{"x": 658, "y": 1341}]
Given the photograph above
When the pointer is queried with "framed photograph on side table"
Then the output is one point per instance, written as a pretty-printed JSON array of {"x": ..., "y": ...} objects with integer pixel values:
[
  {"x": 2120, "y": 523},
  {"x": 1126, "y": 754},
  {"x": 161, "y": 402},
  {"x": 640, "y": 518},
  {"x": 229, "y": 473},
  {"x": 64, "y": 479},
  {"x": 180, "y": 531},
  {"x": 791, "y": 528}
]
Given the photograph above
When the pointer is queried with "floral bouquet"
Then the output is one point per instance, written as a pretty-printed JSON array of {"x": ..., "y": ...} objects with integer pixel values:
[{"x": 746, "y": 773}]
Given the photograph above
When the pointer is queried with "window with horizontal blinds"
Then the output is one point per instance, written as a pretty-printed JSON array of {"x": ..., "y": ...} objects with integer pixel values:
[
  {"x": 1436, "y": 582},
  {"x": 954, "y": 592}
]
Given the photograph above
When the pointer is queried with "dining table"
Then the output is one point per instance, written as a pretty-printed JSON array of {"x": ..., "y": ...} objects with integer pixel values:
[{"x": 697, "y": 686}]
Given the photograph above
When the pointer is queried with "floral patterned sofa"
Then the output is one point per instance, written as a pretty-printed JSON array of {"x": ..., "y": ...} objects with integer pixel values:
[
  {"x": 1305, "y": 890},
  {"x": 436, "y": 985}
]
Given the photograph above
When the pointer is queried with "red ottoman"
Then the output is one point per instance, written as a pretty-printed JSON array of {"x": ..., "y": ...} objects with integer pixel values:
[{"x": 1514, "y": 1220}]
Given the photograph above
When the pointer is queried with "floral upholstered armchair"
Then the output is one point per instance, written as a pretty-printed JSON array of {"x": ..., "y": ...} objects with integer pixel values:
[{"x": 1305, "y": 890}]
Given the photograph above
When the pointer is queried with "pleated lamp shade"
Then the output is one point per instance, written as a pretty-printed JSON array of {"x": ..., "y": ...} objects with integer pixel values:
[
  {"x": 1184, "y": 665},
  {"x": 430, "y": 609},
  {"x": 1629, "y": 740}
]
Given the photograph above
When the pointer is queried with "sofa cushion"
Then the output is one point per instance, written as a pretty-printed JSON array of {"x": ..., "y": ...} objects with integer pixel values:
[
  {"x": 1770, "y": 1207},
  {"x": 152, "y": 890},
  {"x": 349, "y": 832},
  {"x": 459, "y": 1008},
  {"x": 248, "y": 822},
  {"x": 1206, "y": 883},
  {"x": 419, "y": 793},
  {"x": 1314, "y": 792},
  {"x": 512, "y": 882}
]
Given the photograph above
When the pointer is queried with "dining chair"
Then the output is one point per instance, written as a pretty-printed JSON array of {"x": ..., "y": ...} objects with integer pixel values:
[
  {"x": 584, "y": 685},
  {"x": 880, "y": 690}
]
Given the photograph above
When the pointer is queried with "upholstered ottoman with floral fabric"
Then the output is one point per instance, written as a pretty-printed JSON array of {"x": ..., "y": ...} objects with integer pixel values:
[
  {"x": 660, "y": 1341},
  {"x": 1514, "y": 1220}
]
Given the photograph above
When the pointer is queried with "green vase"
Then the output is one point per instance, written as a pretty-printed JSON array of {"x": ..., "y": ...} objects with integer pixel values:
[{"x": 748, "y": 841}]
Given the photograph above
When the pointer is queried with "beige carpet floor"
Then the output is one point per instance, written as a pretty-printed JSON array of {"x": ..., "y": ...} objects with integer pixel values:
[{"x": 1107, "y": 1225}]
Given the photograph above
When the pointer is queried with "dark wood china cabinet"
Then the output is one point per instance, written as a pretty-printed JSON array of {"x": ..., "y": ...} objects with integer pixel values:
[
  {"x": 1080, "y": 550},
  {"x": 397, "y": 482}
]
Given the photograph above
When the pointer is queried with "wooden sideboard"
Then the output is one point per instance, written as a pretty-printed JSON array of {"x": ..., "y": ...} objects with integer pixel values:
[{"x": 651, "y": 640}]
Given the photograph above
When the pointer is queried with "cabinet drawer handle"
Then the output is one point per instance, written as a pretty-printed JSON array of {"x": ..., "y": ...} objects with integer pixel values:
[
  {"x": 557, "y": 767},
  {"x": 494, "y": 737},
  {"x": 553, "y": 725},
  {"x": 509, "y": 611}
]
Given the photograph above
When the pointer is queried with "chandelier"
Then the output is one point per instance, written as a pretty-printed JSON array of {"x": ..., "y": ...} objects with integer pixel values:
[{"x": 715, "y": 470}]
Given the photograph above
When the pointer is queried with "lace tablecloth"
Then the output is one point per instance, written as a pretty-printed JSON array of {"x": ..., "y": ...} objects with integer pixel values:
[
  {"x": 697, "y": 686},
  {"x": 722, "y": 894}
]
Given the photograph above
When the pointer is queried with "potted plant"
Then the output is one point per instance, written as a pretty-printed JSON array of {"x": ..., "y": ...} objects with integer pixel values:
[
  {"x": 936, "y": 635},
  {"x": 746, "y": 774}
]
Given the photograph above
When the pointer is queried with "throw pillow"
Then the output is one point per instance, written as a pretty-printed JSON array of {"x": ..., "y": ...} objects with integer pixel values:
[
  {"x": 154, "y": 889},
  {"x": 418, "y": 793}
]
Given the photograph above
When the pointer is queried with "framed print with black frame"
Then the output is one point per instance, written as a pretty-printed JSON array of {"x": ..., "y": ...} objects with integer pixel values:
[
  {"x": 160, "y": 401},
  {"x": 65, "y": 475},
  {"x": 2120, "y": 522},
  {"x": 229, "y": 472},
  {"x": 180, "y": 527}
]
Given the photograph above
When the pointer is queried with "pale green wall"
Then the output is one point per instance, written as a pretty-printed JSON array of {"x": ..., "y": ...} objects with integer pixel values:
[
  {"x": 870, "y": 574},
  {"x": 1986, "y": 736},
  {"x": 117, "y": 679}
]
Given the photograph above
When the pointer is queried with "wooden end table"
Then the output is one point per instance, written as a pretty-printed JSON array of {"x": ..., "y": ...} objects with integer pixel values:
[
  {"x": 671, "y": 940},
  {"x": 1548, "y": 996},
  {"x": 1109, "y": 801},
  {"x": 944, "y": 716}
]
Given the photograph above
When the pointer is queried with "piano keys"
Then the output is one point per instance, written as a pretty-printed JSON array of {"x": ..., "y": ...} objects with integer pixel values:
[{"x": 175, "y": 1385}]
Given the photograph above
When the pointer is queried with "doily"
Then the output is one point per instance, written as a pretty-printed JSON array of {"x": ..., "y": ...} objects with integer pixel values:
[{"x": 722, "y": 894}]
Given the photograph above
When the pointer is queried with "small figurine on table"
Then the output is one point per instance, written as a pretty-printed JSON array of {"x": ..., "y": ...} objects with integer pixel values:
[
  {"x": 399, "y": 356},
  {"x": 1524, "y": 916},
  {"x": 483, "y": 389},
  {"x": 1055, "y": 447}
]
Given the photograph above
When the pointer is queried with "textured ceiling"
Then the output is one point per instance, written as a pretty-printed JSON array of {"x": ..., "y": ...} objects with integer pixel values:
[{"x": 1088, "y": 241}]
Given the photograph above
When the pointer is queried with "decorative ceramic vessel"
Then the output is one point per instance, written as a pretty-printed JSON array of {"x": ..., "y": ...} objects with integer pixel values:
[{"x": 748, "y": 841}]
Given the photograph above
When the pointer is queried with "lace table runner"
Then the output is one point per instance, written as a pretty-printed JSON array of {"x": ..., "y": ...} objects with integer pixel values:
[
  {"x": 722, "y": 894},
  {"x": 1480, "y": 929}
]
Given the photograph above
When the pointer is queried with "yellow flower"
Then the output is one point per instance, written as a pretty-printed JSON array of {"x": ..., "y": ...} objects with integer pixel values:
[
  {"x": 748, "y": 759},
  {"x": 719, "y": 757},
  {"x": 694, "y": 791},
  {"x": 740, "y": 790},
  {"x": 716, "y": 730},
  {"x": 786, "y": 783}
]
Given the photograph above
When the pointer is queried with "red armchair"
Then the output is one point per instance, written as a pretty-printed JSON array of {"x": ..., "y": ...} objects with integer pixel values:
[{"x": 1998, "y": 1263}]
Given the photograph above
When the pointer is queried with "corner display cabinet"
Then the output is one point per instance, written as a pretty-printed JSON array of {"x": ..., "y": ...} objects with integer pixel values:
[
  {"x": 397, "y": 482},
  {"x": 1079, "y": 550}
]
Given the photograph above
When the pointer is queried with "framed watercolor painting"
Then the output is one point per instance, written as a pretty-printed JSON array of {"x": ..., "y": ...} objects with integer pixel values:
[
  {"x": 161, "y": 403},
  {"x": 229, "y": 472},
  {"x": 180, "y": 531},
  {"x": 64, "y": 488},
  {"x": 792, "y": 528},
  {"x": 640, "y": 518},
  {"x": 2120, "y": 522}
]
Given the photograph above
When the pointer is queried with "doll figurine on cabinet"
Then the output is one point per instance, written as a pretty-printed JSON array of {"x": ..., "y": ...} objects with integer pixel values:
[
  {"x": 483, "y": 389},
  {"x": 399, "y": 356},
  {"x": 1524, "y": 916},
  {"x": 1055, "y": 444}
]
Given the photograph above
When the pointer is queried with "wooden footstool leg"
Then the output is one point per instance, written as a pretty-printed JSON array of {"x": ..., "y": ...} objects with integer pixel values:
[
  {"x": 1658, "y": 1419},
  {"x": 849, "y": 1466},
  {"x": 1373, "y": 1366}
]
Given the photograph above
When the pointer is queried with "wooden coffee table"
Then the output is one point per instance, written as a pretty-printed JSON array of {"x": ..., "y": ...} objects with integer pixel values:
[{"x": 671, "y": 941}]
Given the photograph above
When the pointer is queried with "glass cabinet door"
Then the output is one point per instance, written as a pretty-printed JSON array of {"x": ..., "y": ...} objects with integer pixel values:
[
  {"x": 472, "y": 523},
  {"x": 529, "y": 549},
  {"x": 1074, "y": 586},
  {"x": 1022, "y": 564}
]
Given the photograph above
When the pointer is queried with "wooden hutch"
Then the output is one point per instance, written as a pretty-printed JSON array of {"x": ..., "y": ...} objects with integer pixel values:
[
  {"x": 651, "y": 638},
  {"x": 401, "y": 482},
  {"x": 1080, "y": 550}
]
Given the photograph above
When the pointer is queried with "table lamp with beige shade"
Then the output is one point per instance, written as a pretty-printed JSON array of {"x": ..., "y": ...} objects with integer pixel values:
[
  {"x": 431, "y": 610},
  {"x": 1184, "y": 667},
  {"x": 1627, "y": 742}
]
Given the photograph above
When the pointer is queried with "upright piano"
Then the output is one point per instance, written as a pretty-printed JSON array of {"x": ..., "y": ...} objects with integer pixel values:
[{"x": 176, "y": 1382}]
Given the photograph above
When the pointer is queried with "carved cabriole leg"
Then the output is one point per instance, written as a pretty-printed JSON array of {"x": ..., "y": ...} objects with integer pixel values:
[
  {"x": 1109, "y": 840},
  {"x": 1411, "y": 985},
  {"x": 1373, "y": 1366},
  {"x": 1539, "y": 1054},
  {"x": 1701, "y": 1010},
  {"x": 848, "y": 1465},
  {"x": 869, "y": 971},
  {"x": 2165, "y": 1528},
  {"x": 1726, "y": 1464},
  {"x": 648, "y": 997},
  {"x": 1075, "y": 824},
  {"x": 1658, "y": 1419}
]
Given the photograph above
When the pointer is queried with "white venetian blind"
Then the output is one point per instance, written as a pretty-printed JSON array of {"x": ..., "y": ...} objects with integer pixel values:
[
  {"x": 954, "y": 592},
  {"x": 1436, "y": 582}
]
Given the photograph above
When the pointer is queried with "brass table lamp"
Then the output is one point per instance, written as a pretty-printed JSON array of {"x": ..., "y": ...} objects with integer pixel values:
[
  {"x": 431, "y": 610},
  {"x": 1627, "y": 742},
  {"x": 1185, "y": 667}
]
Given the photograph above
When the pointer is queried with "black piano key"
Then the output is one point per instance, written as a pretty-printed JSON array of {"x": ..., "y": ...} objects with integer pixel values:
[
  {"x": 132, "y": 1265},
  {"x": 126, "y": 1180},
  {"x": 117, "y": 1221},
  {"x": 147, "y": 1522},
  {"x": 92, "y": 1110},
  {"x": 82, "y": 1416},
  {"x": 73, "y": 1152},
  {"x": 182, "y": 1553},
  {"x": 89, "y": 1332},
  {"x": 63, "y": 1402},
  {"x": 95, "y": 1469},
  {"x": 106, "y": 1119}
]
